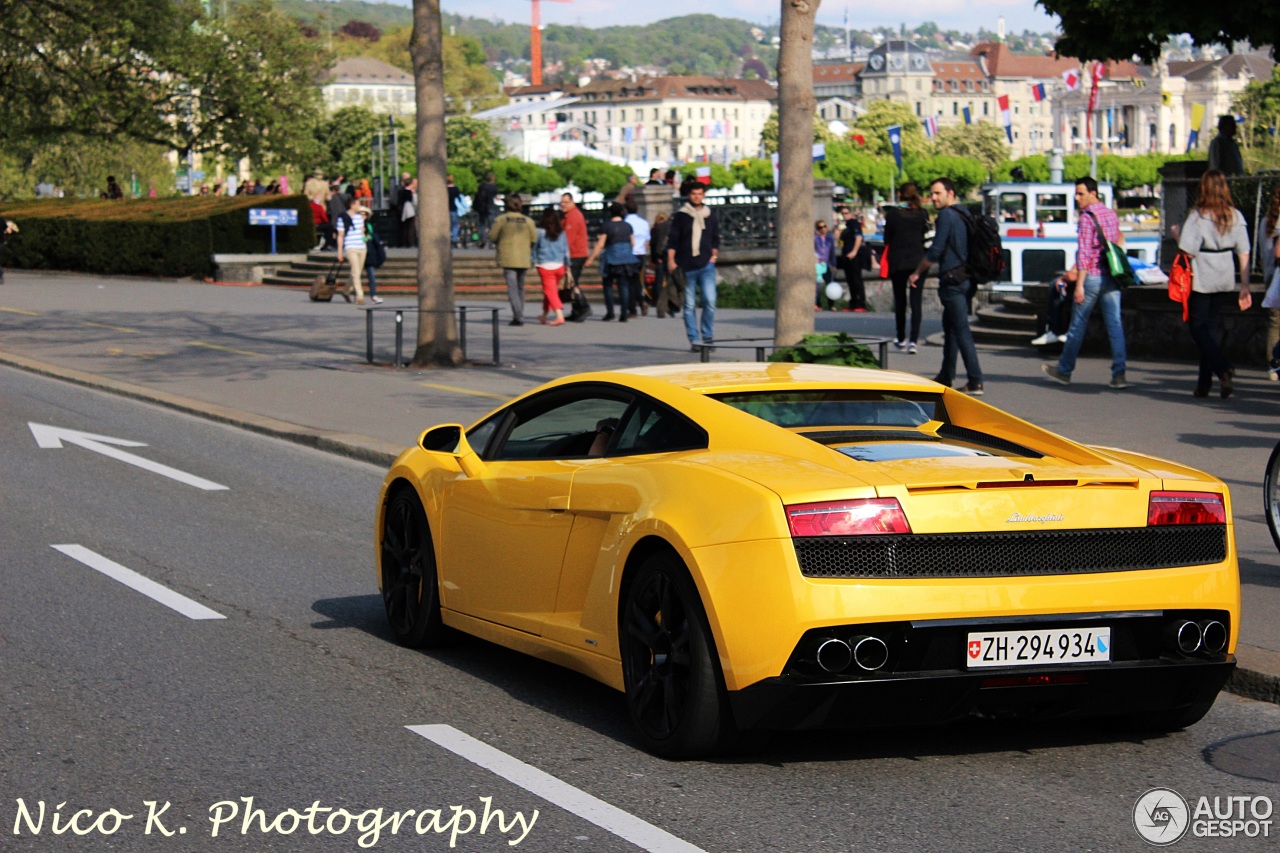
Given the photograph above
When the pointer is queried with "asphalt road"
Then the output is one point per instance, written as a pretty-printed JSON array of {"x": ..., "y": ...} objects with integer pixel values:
[{"x": 297, "y": 696}]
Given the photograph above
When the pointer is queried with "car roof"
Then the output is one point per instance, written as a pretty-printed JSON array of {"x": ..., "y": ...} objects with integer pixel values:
[{"x": 776, "y": 376}]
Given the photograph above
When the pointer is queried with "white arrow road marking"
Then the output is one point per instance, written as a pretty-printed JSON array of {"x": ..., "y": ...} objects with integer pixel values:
[
  {"x": 628, "y": 827},
  {"x": 53, "y": 437},
  {"x": 133, "y": 580}
]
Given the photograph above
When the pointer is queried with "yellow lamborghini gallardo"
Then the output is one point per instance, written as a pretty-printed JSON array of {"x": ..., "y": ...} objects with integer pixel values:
[{"x": 740, "y": 546}]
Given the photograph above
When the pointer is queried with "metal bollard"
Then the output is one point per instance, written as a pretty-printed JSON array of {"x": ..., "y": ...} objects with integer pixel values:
[
  {"x": 368, "y": 336},
  {"x": 496, "y": 360},
  {"x": 462, "y": 331},
  {"x": 399, "y": 338}
]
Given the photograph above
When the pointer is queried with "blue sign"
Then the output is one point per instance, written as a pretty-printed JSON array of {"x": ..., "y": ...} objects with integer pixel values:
[{"x": 272, "y": 216}]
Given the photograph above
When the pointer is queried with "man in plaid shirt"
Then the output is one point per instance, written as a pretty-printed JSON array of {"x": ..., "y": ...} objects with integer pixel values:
[{"x": 1093, "y": 285}]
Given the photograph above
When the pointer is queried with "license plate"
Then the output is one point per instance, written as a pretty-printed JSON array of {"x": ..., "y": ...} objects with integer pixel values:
[{"x": 1038, "y": 648}]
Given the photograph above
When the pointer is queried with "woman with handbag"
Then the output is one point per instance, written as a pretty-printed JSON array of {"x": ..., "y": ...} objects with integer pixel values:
[
  {"x": 905, "y": 228},
  {"x": 1213, "y": 231}
]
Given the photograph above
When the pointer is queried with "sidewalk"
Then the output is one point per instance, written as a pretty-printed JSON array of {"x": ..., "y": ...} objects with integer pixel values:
[{"x": 269, "y": 360}]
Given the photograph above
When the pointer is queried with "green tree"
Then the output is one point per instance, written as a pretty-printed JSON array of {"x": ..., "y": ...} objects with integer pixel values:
[
  {"x": 471, "y": 143},
  {"x": 591, "y": 174},
  {"x": 755, "y": 173},
  {"x": 863, "y": 173},
  {"x": 160, "y": 71},
  {"x": 967, "y": 173},
  {"x": 469, "y": 83},
  {"x": 769, "y": 134},
  {"x": 1124, "y": 28},
  {"x": 1034, "y": 169},
  {"x": 515, "y": 175},
  {"x": 721, "y": 177},
  {"x": 982, "y": 141},
  {"x": 347, "y": 139},
  {"x": 1259, "y": 103},
  {"x": 880, "y": 116}
]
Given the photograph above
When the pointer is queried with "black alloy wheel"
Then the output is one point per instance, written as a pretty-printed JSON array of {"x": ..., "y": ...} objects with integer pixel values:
[
  {"x": 410, "y": 589},
  {"x": 671, "y": 678}
]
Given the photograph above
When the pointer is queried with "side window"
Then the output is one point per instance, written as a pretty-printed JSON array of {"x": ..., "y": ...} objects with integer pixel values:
[
  {"x": 1013, "y": 207},
  {"x": 561, "y": 427},
  {"x": 656, "y": 429},
  {"x": 479, "y": 437}
]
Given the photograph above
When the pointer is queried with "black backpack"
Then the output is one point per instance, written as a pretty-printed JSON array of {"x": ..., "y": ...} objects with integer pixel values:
[{"x": 985, "y": 261}]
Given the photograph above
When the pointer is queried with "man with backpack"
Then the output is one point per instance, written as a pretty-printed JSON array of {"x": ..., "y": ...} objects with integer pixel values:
[{"x": 950, "y": 251}]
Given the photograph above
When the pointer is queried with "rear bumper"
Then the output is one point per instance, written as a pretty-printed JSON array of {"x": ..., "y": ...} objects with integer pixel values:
[{"x": 939, "y": 697}]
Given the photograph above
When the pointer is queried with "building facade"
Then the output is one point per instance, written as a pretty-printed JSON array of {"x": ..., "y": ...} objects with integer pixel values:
[{"x": 358, "y": 81}]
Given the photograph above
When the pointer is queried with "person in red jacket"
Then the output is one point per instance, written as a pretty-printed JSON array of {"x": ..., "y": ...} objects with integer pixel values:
[{"x": 575, "y": 228}]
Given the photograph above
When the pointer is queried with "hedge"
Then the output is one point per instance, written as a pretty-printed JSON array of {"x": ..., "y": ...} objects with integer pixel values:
[{"x": 164, "y": 237}]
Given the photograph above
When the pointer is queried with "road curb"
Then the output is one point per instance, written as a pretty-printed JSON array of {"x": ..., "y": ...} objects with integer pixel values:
[
  {"x": 351, "y": 445},
  {"x": 1257, "y": 673}
]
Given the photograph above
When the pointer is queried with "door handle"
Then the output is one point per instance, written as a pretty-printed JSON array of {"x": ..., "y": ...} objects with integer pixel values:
[{"x": 559, "y": 503}]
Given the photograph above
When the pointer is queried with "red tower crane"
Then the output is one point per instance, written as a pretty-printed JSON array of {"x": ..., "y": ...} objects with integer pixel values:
[{"x": 535, "y": 41}]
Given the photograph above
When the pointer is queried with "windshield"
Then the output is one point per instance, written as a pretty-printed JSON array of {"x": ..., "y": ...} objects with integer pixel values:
[{"x": 838, "y": 408}]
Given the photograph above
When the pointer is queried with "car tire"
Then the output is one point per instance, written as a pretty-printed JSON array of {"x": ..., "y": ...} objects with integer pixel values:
[
  {"x": 673, "y": 684},
  {"x": 410, "y": 586},
  {"x": 1271, "y": 494}
]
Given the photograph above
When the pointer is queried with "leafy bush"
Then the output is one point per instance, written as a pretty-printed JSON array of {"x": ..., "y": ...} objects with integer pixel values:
[
  {"x": 518, "y": 176},
  {"x": 590, "y": 174},
  {"x": 748, "y": 294},
  {"x": 839, "y": 348},
  {"x": 166, "y": 237}
]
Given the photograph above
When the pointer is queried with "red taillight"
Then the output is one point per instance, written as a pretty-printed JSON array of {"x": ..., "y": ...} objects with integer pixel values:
[
  {"x": 848, "y": 518},
  {"x": 1186, "y": 508}
]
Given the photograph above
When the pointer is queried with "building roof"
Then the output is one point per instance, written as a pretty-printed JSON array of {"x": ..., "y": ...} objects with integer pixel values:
[
  {"x": 842, "y": 72},
  {"x": 366, "y": 71},
  {"x": 1250, "y": 66},
  {"x": 520, "y": 110},
  {"x": 1002, "y": 62},
  {"x": 660, "y": 88}
]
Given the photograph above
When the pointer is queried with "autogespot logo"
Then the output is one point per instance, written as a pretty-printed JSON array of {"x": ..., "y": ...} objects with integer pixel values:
[{"x": 1161, "y": 816}]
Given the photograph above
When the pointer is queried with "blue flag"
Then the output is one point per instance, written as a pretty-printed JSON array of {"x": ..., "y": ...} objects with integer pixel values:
[
  {"x": 968, "y": 118},
  {"x": 895, "y": 142}
]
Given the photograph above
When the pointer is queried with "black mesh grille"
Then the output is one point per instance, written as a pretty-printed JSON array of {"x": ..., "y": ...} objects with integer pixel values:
[{"x": 991, "y": 555}]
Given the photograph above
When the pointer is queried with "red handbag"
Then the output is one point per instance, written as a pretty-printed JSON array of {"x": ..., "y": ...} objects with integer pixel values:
[
  {"x": 1180, "y": 278},
  {"x": 884, "y": 262}
]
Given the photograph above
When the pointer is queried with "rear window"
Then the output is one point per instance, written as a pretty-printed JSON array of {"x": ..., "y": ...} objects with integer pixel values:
[{"x": 838, "y": 408}]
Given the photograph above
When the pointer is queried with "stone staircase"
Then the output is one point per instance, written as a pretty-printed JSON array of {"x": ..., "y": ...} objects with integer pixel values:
[
  {"x": 1007, "y": 319},
  {"x": 475, "y": 275}
]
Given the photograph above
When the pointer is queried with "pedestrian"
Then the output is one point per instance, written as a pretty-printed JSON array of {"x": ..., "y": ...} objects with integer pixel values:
[
  {"x": 352, "y": 247},
  {"x": 363, "y": 190},
  {"x": 1213, "y": 231},
  {"x": 950, "y": 251},
  {"x": 618, "y": 261},
  {"x": 667, "y": 297},
  {"x": 335, "y": 208},
  {"x": 640, "y": 235},
  {"x": 849, "y": 257},
  {"x": 1093, "y": 285},
  {"x": 1051, "y": 325},
  {"x": 113, "y": 188},
  {"x": 693, "y": 245},
  {"x": 670, "y": 178},
  {"x": 514, "y": 234},
  {"x": 484, "y": 206},
  {"x": 824, "y": 255},
  {"x": 655, "y": 178},
  {"x": 324, "y": 227},
  {"x": 1224, "y": 152},
  {"x": 7, "y": 228},
  {"x": 407, "y": 203},
  {"x": 455, "y": 211},
  {"x": 1268, "y": 253},
  {"x": 575, "y": 228},
  {"x": 376, "y": 257},
  {"x": 315, "y": 188},
  {"x": 905, "y": 228},
  {"x": 551, "y": 258},
  {"x": 633, "y": 181}
]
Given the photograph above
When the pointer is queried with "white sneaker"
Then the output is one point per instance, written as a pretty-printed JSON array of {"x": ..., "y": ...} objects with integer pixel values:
[
  {"x": 376, "y": 300},
  {"x": 911, "y": 348},
  {"x": 901, "y": 345},
  {"x": 1046, "y": 338}
]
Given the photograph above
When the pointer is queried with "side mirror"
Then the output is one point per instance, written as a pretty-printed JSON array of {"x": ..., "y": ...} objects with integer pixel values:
[{"x": 452, "y": 439}]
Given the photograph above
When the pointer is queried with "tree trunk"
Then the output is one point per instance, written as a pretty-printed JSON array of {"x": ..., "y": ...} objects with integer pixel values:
[
  {"x": 437, "y": 320},
  {"x": 796, "y": 106}
]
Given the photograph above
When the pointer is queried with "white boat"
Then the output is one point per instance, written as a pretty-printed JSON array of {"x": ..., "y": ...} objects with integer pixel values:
[{"x": 1038, "y": 229}]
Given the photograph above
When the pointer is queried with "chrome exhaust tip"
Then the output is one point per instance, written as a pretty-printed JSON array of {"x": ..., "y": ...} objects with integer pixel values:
[
  {"x": 834, "y": 655},
  {"x": 869, "y": 653},
  {"x": 1186, "y": 637},
  {"x": 1213, "y": 636}
]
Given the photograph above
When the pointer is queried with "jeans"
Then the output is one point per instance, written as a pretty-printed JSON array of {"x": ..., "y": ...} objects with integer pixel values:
[
  {"x": 1098, "y": 289},
  {"x": 373, "y": 280},
  {"x": 617, "y": 275},
  {"x": 902, "y": 296},
  {"x": 1202, "y": 322},
  {"x": 453, "y": 227},
  {"x": 957, "y": 337},
  {"x": 515, "y": 291},
  {"x": 700, "y": 281}
]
